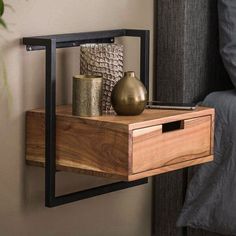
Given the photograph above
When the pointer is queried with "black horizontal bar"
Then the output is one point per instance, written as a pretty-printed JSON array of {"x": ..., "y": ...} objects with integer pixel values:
[
  {"x": 78, "y": 36},
  {"x": 85, "y": 37},
  {"x": 75, "y": 43},
  {"x": 84, "y": 194},
  {"x": 33, "y": 41},
  {"x": 136, "y": 33}
]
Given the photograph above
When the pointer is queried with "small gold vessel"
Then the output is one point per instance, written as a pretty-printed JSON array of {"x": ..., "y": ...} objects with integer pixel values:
[
  {"x": 87, "y": 96},
  {"x": 129, "y": 96}
]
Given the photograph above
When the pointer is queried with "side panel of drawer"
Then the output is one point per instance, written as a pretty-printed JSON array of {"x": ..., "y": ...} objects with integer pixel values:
[
  {"x": 156, "y": 147},
  {"x": 80, "y": 147}
]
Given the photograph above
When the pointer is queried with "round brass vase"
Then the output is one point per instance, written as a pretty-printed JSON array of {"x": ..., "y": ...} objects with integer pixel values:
[
  {"x": 129, "y": 96},
  {"x": 87, "y": 96}
]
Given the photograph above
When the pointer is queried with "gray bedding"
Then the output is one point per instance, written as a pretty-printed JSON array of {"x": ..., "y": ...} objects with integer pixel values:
[
  {"x": 211, "y": 196},
  {"x": 227, "y": 33}
]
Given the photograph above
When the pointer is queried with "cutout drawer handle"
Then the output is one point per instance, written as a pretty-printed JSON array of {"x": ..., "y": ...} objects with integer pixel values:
[{"x": 172, "y": 126}]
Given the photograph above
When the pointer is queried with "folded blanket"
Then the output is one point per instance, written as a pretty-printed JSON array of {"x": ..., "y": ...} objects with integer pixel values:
[{"x": 210, "y": 202}]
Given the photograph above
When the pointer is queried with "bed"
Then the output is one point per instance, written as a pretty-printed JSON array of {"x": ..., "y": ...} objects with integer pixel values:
[
  {"x": 211, "y": 197},
  {"x": 188, "y": 67}
]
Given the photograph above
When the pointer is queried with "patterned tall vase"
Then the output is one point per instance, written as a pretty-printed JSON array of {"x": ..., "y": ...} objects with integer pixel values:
[{"x": 104, "y": 60}]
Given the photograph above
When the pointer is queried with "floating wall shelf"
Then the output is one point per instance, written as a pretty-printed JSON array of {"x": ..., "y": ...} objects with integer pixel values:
[
  {"x": 50, "y": 43},
  {"x": 124, "y": 147},
  {"x": 129, "y": 149}
]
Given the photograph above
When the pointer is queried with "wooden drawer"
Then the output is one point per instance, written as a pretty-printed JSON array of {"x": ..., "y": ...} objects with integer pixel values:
[
  {"x": 124, "y": 148},
  {"x": 171, "y": 143}
]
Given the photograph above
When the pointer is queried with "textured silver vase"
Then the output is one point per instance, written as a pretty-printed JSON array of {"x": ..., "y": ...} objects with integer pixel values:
[{"x": 105, "y": 60}]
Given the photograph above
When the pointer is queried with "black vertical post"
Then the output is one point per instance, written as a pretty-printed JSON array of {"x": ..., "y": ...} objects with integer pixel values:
[
  {"x": 50, "y": 120},
  {"x": 144, "y": 58},
  {"x": 144, "y": 36}
]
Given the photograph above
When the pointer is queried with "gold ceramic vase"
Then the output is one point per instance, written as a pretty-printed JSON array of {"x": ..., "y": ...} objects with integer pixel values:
[{"x": 129, "y": 96}]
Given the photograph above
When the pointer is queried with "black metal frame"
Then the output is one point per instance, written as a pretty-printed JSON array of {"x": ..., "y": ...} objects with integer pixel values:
[{"x": 50, "y": 43}]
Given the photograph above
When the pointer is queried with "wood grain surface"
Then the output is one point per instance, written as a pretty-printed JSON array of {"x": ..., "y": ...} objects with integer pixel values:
[
  {"x": 112, "y": 146},
  {"x": 149, "y": 117},
  {"x": 156, "y": 149},
  {"x": 170, "y": 168},
  {"x": 79, "y": 146}
]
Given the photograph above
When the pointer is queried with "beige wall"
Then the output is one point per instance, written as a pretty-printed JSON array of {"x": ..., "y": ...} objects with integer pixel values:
[{"x": 22, "y": 211}]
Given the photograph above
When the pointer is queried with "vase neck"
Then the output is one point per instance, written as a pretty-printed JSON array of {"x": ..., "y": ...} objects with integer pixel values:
[{"x": 130, "y": 74}]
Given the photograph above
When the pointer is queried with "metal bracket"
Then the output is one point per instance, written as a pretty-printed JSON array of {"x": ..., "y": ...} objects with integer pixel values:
[{"x": 50, "y": 43}]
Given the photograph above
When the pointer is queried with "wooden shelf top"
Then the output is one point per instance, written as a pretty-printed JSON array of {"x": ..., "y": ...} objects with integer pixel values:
[{"x": 148, "y": 118}]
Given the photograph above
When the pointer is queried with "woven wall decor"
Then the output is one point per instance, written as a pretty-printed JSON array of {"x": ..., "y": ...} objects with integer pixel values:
[{"x": 104, "y": 60}]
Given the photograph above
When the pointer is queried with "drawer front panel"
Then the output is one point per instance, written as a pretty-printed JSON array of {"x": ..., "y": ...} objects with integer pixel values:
[{"x": 172, "y": 143}]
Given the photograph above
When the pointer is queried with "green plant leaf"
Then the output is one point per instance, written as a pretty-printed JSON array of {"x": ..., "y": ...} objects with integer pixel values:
[
  {"x": 2, "y": 23},
  {"x": 1, "y": 7}
]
